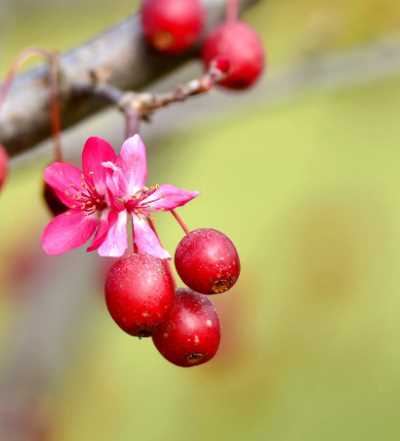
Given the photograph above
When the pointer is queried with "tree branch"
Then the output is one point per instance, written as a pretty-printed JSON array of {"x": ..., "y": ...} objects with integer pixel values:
[
  {"x": 120, "y": 55},
  {"x": 142, "y": 105}
]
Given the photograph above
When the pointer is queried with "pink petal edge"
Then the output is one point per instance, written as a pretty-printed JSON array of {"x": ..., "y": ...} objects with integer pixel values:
[
  {"x": 146, "y": 240},
  {"x": 116, "y": 241},
  {"x": 101, "y": 232},
  {"x": 67, "y": 231},
  {"x": 65, "y": 179},
  {"x": 133, "y": 162},
  {"x": 168, "y": 197},
  {"x": 96, "y": 151}
]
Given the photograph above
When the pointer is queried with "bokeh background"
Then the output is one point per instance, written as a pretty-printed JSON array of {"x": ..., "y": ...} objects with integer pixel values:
[{"x": 307, "y": 186}]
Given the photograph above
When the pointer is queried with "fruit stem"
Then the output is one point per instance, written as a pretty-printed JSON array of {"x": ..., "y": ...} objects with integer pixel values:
[
  {"x": 52, "y": 60},
  {"x": 232, "y": 10},
  {"x": 55, "y": 111},
  {"x": 180, "y": 221},
  {"x": 15, "y": 66},
  {"x": 131, "y": 237},
  {"x": 153, "y": 227}
]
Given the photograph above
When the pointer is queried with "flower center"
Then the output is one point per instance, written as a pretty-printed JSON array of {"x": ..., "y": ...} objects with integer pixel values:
[
  {"x": 87, "y": 198},
  {"x": 137, "y": 204}
]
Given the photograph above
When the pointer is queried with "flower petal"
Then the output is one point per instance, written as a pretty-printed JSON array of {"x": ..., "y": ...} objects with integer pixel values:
[
  {"x": 167, "y": 197},
  {"x": 67, "y": 231},
  {"x": 95, "y": 152},
  {"x": 66, "y": 181},
  {"x": 116, "y": 181},
  {"x": 101, "y": 232},
  {"x": 146, "y": 240},
  {"x": 133, "y": 162},
  {"x": 116, "y": 241}
]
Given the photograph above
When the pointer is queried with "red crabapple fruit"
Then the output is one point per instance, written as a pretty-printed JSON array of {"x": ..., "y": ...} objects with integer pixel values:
[
  {"x": 191, "y": 334},
  {"x": 241, "y": 46},
  {"x": 172, "y": 26},
  {"x": 207, "y": 261},
  {"x": 139, "y": 293}
]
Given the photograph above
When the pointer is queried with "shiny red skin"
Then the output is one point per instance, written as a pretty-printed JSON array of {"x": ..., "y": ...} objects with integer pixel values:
[
  {"x": 54, "y": 205},
  {"x": 172, "y": 26},
  {"x": 3, "y": 165},
  {"x": 241, "y": 46},
  {"x": 191, "y": 334},
  {"x": 207, "y": 261},
  {"x": 139, "y": 292}
]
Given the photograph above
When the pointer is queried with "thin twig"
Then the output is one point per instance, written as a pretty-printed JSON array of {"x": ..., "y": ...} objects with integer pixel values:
[
  {"x": 147, "y": 103},
  {"x": 140, "y": 106},
  {"x": 102, "y": 90},
  {"x": 132, "y": 121}
]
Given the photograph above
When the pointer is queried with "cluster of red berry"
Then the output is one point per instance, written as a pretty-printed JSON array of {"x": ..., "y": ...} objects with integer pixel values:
[
  {"x": 174, "y": 26},
  {"x": 140, "y": 290},
  {"x": 142, "y": 299}
]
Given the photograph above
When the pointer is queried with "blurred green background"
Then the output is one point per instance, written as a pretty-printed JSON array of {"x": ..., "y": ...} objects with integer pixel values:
[{"x": 308, "y": 191}]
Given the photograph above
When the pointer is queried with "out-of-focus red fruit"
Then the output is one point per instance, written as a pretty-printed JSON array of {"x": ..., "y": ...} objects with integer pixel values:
[
  {"x": 54, "y": 204},
  {"x": 3, "y": 165},
  {"x": 25, "y": 422},
  {"x": 222, "y": 64},
  {"x": 207, "y": 261},
  {"x": 191, "y": 334},
  {"x": 24, "y": 263},
  {"x": 238, "y": 44},
  {"x": 172, "y": 26},
  {"x": 139, "y": 293}
]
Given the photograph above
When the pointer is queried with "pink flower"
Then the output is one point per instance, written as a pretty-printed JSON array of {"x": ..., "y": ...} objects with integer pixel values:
[
  {"x": 83, "y": 192},
  {"x": 129, "y": 197},
  {"x": 110, "y": 189}
]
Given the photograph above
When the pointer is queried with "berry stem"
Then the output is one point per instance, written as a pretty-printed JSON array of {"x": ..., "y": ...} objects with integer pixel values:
[
  {"x": 131, "y": 237},
  {"x": 153, "y": 227},
  {"x": 180, "y": 221},
  {"x": 55, "y": 111},
  {"x": 24, "y": 56},
  {"x": 232, "y": 10},
  {"x": 54, "y": 70}
]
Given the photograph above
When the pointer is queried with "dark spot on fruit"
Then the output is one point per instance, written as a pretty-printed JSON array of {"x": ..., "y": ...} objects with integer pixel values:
[
  {"x": 143, "y": 333},
  {"x": 163, "y": 40},
  {"x": 222, "y": 285},
  {"x": 194, "y": 357}
]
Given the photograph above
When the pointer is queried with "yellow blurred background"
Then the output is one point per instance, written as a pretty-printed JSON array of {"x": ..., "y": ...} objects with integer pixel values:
[{"x": 306, "y": 187}]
